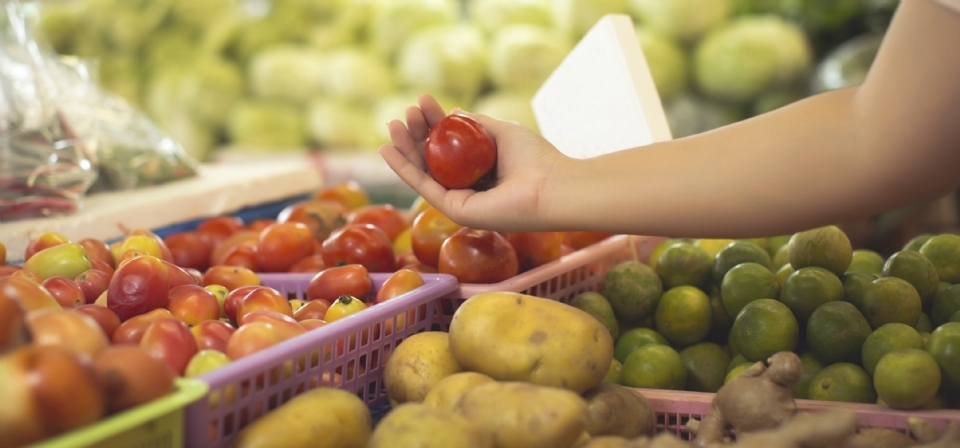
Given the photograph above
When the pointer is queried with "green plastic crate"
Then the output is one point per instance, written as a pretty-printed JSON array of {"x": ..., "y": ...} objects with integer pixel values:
[{"x": 156, "y": 424}]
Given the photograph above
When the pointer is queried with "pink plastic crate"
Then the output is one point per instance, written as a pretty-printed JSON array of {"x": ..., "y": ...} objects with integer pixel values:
[
  {"x": 561, "y": 279},
  {"x": 246, "y": 389},
  {"x": 675, "y": 408}
]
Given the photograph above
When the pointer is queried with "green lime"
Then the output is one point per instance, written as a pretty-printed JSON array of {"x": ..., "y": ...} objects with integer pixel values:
[
  {"x": 808, "y": 288},
  {"x": 782, "y": 257},
  {"x": 763, "y": 328},
  {"x": 745, "y": 283},
  {"x": 683, "y": 315},
  {"x": 735, "y": 372},
  {"x": 853, "y": 285},
  {"x": 883, "y": 340},
  {"x": 917, "y": 270},
  {"x": 890, "y": 299},
  {"x": 731, "y": 345},
  {"x": 866, "y": 261},
  {"x": 907, "y": 378},
  {"x": 735, "y": 253},
  {"x": 596, "y": 305},
  {"x": 654, "y": 366},
  {"x": 924, "y": 324},
  {"x": 712, "y": 246},
  {"x": 633, "y": 290},
  {"x": 775, "y": 243},
  {"x": 944, "y": 345},
  {"x": 835, "y": 333},
  {"x": 635, "y": 338},
  {"x": 706, "y": 365},
  {"x": 759, "y": 242},
  {"x": 946, "y": 302},
  {"x": 843, "y": 382},
  {"x": 615, "y": 372},
  {"x": 684, "y": 264},
  {"x": 659, "y": 248},
  {"x": 811, "y": 367},
  {"x": 721, "y": 320},
  {"x": 944, "y": 251},
  {"x": 955, "y": 317},
  {"x": 736, "y": 361},
  {"x": 783, "y": 273},
  {"x": 916, "y": 242},
  {"x": 826, "y": 247}
]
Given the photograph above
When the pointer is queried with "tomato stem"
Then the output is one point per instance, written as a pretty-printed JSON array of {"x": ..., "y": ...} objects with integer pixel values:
[{"x": 345, "y": 299}]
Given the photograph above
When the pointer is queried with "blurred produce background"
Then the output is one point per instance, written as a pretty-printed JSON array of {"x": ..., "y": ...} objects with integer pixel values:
[{"x": 288, "y": 75}]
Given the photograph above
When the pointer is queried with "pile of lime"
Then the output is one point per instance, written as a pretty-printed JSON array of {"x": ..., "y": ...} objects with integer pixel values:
[{"x": 868, "y": 328}]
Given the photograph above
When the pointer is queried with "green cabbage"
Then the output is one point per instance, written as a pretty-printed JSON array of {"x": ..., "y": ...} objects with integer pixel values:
[
  {"x": 61, "y": 24},
  {"x": 680, "y": 19},
  {"x": 750, "y": 55},
  {"x": 508, "y": 105},
  {"x": 340, "y": 124},
  {"x": 576, "y": 17},
  {"x": 258, "y": 35},
  {"x": 286, "y": 72},
  {"x": 127, "y": 24},
  {"x": 205, "y": 91},
  {"x": 392, "y": 22},
  {"x": 355, "y": 75},
  {"x": 491, "y": 15},
  {"x": 172, "y": 47},
  {"x": 266, "y": 125},
  {"x": 524, "y": 56},
  {"x": 688, "y": 115},
  {"x": 667, "y": 62},
  {"x": 197, "y": 140},
  {"x": 200, "y": 13},
  {"x": 120, "y": 74},
  {"x": 445, "y": 60}
]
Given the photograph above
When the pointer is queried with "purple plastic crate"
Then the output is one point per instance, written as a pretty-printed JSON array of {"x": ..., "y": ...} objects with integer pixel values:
[{"x": 246, "y": 389}]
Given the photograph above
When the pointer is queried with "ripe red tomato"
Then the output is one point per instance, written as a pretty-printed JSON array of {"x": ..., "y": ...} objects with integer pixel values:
[
  {"x": 349, "y": 194},
  {"x": 138, "y": 286},
  {"x": 361, "y": 244},
  {"x": 535, "y": 249},
  {"x": 98, "y": 250},
  {"x": 579, "y": 240},
  {"x": 385, "y": 217},
  {"x": 190, "y": 249},
  {"x": 322, "y": 217},
  {"x": 259, "y": 224},
  {"x": 331, "y": 283},
  {"x": 430, "y": 229},
  {"x": 283, "y": 244},
  {"x": 459, "y": 152},
  {"x": 478, "y": 256},
  {"x": 230, "y": 277},
  {"x": 244, "y": 255},
  {"x": 220, "y": 228},
  {"x": 311, "y": 263}
]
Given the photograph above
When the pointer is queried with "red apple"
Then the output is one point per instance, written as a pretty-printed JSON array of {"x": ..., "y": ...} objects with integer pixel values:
[
  {"x": 69, "y": 329},
  {"x": 66, "y": 291},
  {"x": 170, "y": 341},
  {"x": 106, "y": 319},
  {"x": 212, "y": 334},
  {"x": 264, "y": 298},
  {"x": 92, "y": 282},
  {"x": 193, "y": 304},
  {"x": 131, "y": 331}
]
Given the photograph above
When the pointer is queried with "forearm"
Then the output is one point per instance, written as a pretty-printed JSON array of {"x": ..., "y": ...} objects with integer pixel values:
[{"x": 830, "y": 158}]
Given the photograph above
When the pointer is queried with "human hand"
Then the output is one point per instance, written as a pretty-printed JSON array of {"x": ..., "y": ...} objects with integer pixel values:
[{"x": 525, "y": 161}]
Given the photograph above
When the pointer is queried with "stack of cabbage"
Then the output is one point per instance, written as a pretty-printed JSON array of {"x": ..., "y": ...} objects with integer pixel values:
[{"x": 331, "y": 73}]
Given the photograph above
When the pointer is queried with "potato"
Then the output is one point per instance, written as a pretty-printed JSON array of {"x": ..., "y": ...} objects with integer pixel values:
[
  {"x": 523, "y": 415},
  {"x": 416, "y": 424},
  {"x": 518, "y": 337},
  {"x": 447, "y": 392},
  {"x": 614, "y": 410},
  {"x": 319, "y": 418},
  {"x": 416, "y": 365}
]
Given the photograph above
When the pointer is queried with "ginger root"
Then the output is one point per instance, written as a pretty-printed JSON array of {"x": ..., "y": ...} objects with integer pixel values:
[
  {"x": 950, "y": 438},
  {"x": 760, "y": 398},
  {"x": 805, "y": 430},
  {"x": 879, "y": 438}
]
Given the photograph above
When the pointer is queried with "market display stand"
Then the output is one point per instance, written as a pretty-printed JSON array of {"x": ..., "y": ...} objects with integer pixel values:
[{"x": 216, "y": 190}]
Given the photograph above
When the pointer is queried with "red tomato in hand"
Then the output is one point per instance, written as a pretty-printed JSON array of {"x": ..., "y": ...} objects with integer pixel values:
[
  {"x": 430, "y": 229},
  {"x": 478, "y": 256},
  {"x": 459, "y": 152},
  {"x": 361, "y": 244},
  {"x": 283, "y": 244},
  {"x": 535, "y": 249},
  {"x": 384, "y": 217},
  {"x": 331, "y": 283}
]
